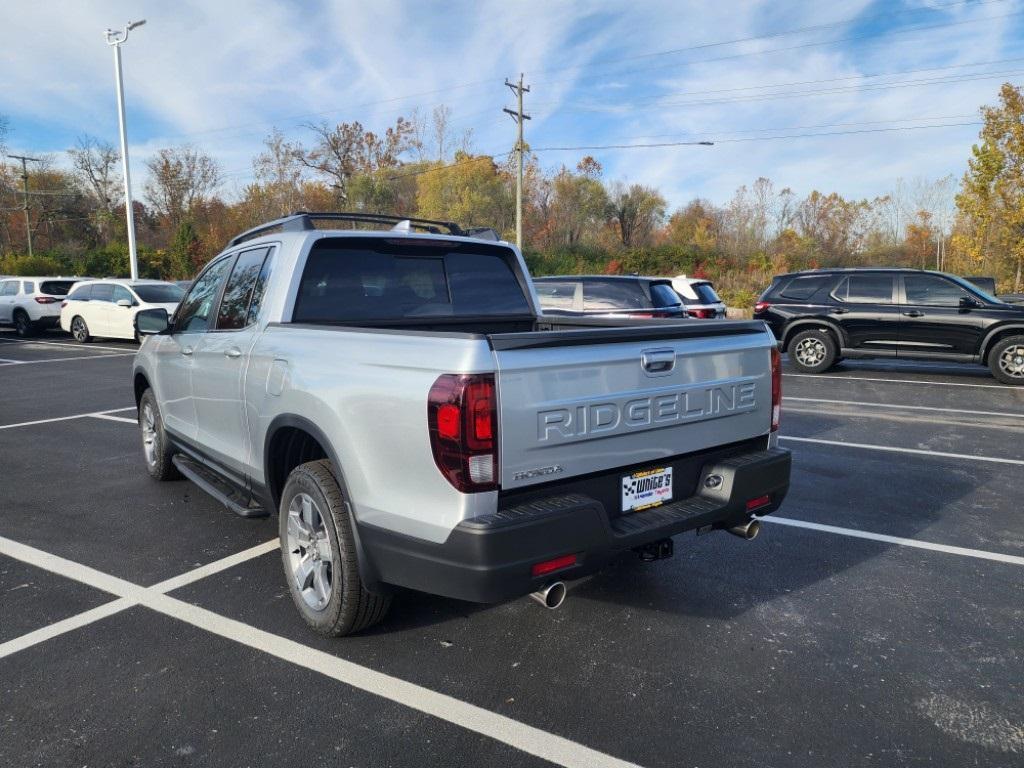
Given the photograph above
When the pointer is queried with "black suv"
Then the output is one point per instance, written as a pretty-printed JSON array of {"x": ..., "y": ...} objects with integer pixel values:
[{"x": 822, "y": 316}]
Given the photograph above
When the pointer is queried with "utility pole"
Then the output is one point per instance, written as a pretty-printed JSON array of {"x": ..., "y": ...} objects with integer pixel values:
[
  {"x": 24, "y": 186},
  {"x": 114, "y": 39},
  {"x": 518, "y": 89}
]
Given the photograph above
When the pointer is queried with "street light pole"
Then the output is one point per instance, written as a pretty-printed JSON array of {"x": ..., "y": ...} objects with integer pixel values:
[{"x": 115, "y": 39}]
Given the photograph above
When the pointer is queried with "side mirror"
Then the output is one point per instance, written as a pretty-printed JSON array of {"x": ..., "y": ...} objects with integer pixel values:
[
  {"x": 966, "y": 302},
  {"x": 150, "y": 322},
  {"x": 124, "y": 302}
]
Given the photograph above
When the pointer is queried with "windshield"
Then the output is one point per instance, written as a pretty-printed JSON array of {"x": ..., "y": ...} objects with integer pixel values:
[
  {"x": 976, "y": 290},
  {"x": 166, "y": 293}
]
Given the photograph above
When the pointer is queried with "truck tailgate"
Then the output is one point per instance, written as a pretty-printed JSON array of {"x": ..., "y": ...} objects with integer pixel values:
[{"x": 576, "y": 402}]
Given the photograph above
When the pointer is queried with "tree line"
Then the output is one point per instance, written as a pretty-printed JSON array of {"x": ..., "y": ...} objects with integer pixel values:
[{"x": 575, "y": 219}]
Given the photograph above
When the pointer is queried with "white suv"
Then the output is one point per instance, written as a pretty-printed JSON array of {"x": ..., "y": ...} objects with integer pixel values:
[
  {"x": 107, "y": 308},
  {"x": 29, "y": 303}
]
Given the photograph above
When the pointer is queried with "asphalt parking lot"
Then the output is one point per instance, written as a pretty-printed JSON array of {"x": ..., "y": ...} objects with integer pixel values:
[{"x": 877, "y": 622}]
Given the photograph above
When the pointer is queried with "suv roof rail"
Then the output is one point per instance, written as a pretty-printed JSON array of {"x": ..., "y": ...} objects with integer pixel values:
[{"x": 304, "y": 220}]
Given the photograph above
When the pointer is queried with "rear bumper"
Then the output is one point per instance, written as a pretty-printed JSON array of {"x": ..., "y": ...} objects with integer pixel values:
[{"x": 489, "y": 559}]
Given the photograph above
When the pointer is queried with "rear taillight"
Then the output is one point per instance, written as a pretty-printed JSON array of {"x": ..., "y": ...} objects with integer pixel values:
[
  {"x": 761, "y": 306},
  {"x": 776, "y": 388},
  {"x": 703, "y": 314},
  {"x": 45, "y": 300},
  {"x": 462, "y": 415}
]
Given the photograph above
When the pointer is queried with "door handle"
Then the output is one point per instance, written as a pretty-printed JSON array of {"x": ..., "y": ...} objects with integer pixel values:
[
  {"x": 187, "y": 351},
  {"x": 914, "y": 313},
  {"x": 838, "y": 311},
  {"x": 232, "y": 352}
]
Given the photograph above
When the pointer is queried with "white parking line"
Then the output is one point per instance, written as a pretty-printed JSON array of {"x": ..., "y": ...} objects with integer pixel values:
[
  {"x": 525, "y": 738},
  {"x": 104, "y": 356},
  {"x": 915, "y": 543},
  {"x": 65, "y": 418},
  {"x": 908, "y": 407},
  {"x": 83, "y": 347},
  {"x": 899, "y": 381},
  {"x": 113, "y": 418},
  {"x": 915, "y": 451},
  {"x": 122, "y": 603}
]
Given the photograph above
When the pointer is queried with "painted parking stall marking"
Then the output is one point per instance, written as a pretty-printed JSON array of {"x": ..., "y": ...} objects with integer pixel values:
[
  {"x": 91, "y": 414},
  {"x": 891, "y": 449}
]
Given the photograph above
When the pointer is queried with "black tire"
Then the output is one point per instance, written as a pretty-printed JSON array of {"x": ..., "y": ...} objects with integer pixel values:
[
  {"x": 350, "y": 606},
  {"x": 813, "y": 351},
  {"x": 23, "y": 324},
  {"x": 80, "y": 330},
  {"x": 158, "y": 460},
  {"x": 1006, "y": 360}
]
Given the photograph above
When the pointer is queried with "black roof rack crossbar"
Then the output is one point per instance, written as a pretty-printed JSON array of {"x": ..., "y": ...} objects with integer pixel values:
[{"x": 304, "y": 220}]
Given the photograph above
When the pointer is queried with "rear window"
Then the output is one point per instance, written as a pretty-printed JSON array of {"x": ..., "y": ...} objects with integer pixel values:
[
  {"x": 664, "y": 296},
  {"x": 159, "y": 294},
  {"x": 705, "y": 293},
  {"x": 556, "y": 294},
  {"x": 614, "y": 294},
  {"x": 358, "y": 280},
  {"x": 803, "y": 288},
  {"x": 56, "y": 287}
]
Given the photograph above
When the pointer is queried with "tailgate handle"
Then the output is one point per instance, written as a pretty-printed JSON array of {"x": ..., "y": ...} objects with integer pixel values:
[{"x": 658, "y": 360}]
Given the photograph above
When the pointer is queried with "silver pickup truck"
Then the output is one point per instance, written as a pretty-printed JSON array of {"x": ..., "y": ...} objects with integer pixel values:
[{"x": 400, "y": 401}]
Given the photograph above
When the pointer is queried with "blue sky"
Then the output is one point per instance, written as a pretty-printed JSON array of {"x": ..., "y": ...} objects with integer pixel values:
[{"x": 220, "y": 75}]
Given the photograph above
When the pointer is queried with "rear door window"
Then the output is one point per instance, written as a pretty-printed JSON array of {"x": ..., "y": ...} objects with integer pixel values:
[
  {"x": 866, "y": 289},
  {"x": 234, "y": 305},
  {"x": 122, "y": 294},
  {"x": 29, "y": 286},
  {"x": 803, "y": 288},
  {"x": 359, "y": 280}
]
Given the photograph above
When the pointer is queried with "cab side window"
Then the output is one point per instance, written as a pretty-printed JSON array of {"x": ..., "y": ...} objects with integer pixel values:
[
  {"x": 195, "y": 313},
  {"x": 933, "y": 290}
]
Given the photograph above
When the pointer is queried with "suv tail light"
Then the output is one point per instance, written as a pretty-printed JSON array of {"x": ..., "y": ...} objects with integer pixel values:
[
  {"x": 462, "y": 415},
  {"x": 45, "y": 300},
  {"x": 703, "y": 314},
  {"x": 761, "y": 306},
  {"x": 776, "y": 388}
]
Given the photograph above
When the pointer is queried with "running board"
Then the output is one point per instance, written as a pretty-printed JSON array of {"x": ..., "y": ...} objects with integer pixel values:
[{"x": 221, "y": 490}]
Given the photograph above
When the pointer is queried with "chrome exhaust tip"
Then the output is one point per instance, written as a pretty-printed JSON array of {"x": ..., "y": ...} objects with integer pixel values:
[
  {"x": 552, "y": 596},
  {"x": 747, "y": 531}
]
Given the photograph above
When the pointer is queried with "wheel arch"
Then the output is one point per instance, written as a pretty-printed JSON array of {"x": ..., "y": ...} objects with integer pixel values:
[
  {"x": 796, "y": 326},
  {"x": 996, "y": 335},
  {"x": 140, "y": 384}
]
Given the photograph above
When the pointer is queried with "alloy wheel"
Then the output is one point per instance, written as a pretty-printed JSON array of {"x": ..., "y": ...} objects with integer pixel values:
[
  {"x": 148, "y": 425},
  {"x": 309, "y": 551},
  {"x": 78, "y": 329},
  {"x": 810, "y": 352},
  {"x": 1011, "y": 361}
]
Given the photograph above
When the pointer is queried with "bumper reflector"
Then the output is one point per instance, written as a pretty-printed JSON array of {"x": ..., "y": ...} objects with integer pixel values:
[
  {"x": 557, "y": 564},
  {"x": 760, "y": 501}
]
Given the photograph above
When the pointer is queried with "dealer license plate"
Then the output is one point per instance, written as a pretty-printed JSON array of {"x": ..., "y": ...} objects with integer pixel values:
[{"x": 647, "y": 488}]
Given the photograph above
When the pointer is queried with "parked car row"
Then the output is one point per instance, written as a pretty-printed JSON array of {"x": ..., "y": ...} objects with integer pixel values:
[
  {"x": 84, "y": 307},
  {"x": 628, "y": 296}
]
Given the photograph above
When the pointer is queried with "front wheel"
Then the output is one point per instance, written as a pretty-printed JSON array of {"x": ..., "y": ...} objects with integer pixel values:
[
  {"x": 813, "y": 351},
  {"x": 318, "y": 551},
  {"x": 156, "y": 448},
  {"x": 1006, "y": 360}
]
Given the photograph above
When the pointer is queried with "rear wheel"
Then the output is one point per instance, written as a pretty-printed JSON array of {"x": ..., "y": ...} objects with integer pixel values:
[
  {"x": 23, "y": 323},
  {"x": 156, "y": 449},
  {"x": 813, "y": 351},
  {"x": 319, "y": 554},
  {"x": 80, "y": 331},
  {"x": 1006, "y": 360}
]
